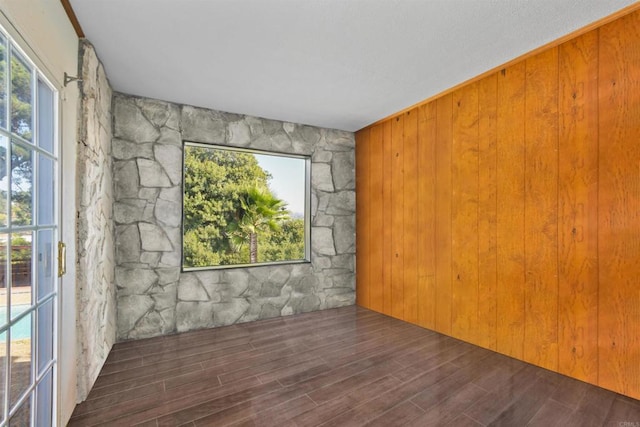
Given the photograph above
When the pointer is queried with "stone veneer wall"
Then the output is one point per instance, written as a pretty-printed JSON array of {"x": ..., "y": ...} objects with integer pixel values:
[
  {"x": 95, "y": 289},
  {"x": 154, "y": 297}
]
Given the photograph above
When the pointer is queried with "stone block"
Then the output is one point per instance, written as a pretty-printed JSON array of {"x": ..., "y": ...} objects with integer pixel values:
[
  {"x": 201, "y": 125},
  {"x": 149, "y": 194},
  {"x": 342, "y": 203},
  {"x": 157, "y": 112},
  {"x": 165, "y": 297},
  {"x": 307, "y": 285},
  {"x": 190, "y": 289},
  {"x": 194, "y": 315},
  {"x": 168, "y": 213},
  {"x": 322, "y": 220},
  {"x": 127, "y": 244},
  {"x": 321, "y": 156},
  {"x": 126, "y": 179},
  {"x": 131, "y": 308},
  {"x": 171, "y": 259},
  {"x": 271, "y": 289},
  {"x": 153, "y": 238},
  {"x": 170, "y": 158},
  {"x": 150, "y": 325},
  {"x": 125, "y": 150},
  {"x": 173, "y": 194},
  {"x": 152, "y": 174},
  {"x": 168, "y": 275},
  {"x": 302, "y": 304},
  {"x": 309, "y": 134},
  {"x": 150, "y": 258},
  {"x": 228, "y": 313},
  {"x": 130, "y": 123},
  {"x": 339, "y": 140},
  {"x": 280, "y": 142},
  {"x": 170, "y": 137},
  {"x": 323, "y": 200},
  {"x": 344, "y": 234},
  {"x": 271, "y": 127},
  {"x": 267, "y": 311},
  {"x": 237, "y": 279},
  {"x": 343, "y": 167},
  {"x": 207, "y": 277},
  {"x": 128, "y": 211},
  {"x": 134, "y": 281},
  {"x": 346, "y": 261},
  {"x": 321, "y": 178},
  {"x": 322, "y": 241},
  {"x": 239, "y": 134},
  {"x": 255, "y": 126},
  {"x": 340, "y": 300},
  {"x": 321, "y": 262}
]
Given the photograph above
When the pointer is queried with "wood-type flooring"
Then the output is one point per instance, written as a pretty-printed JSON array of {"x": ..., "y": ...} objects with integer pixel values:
[{"x": 340, "y": 367}]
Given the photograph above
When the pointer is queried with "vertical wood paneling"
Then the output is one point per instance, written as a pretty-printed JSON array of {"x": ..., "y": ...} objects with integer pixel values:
[
  {"x": 541, "y": 210},
  {"x": 397, "y": 218},
  {"x": 426, "y": 215},
  {"x": 410, "y": 198},
  {"x": 376, "y": 219},
  {"x": 507, "y": 212},
  {"x": 443, "y": 213},
  {"x": 362, "y": 217},
  {"x": 487, "y": 211},
  {"x": 464, "y": 214},
  {"x": 578, "y": 208},
  {"x": 619, "y": 206},
  {"x": 510, "y": 211},
  {"x": 387, "y": 231}
]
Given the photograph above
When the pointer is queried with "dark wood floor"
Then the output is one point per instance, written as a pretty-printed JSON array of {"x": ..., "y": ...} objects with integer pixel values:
[{"x": 342, "y": 367}]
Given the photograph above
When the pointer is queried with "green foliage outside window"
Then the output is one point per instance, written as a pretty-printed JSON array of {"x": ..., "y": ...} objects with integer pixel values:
[
  {"x": 231, "y": 216},
  {"x": 20, "y": 124}
]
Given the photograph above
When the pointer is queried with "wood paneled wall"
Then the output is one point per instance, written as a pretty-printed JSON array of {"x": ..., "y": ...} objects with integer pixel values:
[{"x": 507, "y": 212}]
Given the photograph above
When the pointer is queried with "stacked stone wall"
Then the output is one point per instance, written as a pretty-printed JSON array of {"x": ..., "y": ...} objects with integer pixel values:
[
  {"x": 154, "y": 296},
  {"x": 95, "y": 290}
]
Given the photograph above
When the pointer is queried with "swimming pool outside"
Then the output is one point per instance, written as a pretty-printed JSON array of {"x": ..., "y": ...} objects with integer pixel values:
[{"x": 20, "y": 330}]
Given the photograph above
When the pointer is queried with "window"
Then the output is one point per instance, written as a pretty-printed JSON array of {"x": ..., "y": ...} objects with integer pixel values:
[
  {"x": 28, "y": 232},
  {"x": 244, "y": 207}
]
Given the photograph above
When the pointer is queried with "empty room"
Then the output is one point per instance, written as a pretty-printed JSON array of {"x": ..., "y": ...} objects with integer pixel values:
[{"x": 320, "y": 213}]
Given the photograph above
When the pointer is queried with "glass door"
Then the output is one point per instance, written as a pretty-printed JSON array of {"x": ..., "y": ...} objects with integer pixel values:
[{"x": 28, "y": 236}]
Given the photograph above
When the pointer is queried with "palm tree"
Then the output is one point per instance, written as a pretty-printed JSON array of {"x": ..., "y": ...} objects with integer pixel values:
[{"x": 259, "y": 211}]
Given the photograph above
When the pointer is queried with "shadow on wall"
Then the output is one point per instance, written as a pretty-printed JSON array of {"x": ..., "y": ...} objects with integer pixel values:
[{"x": 154, "y": 297}]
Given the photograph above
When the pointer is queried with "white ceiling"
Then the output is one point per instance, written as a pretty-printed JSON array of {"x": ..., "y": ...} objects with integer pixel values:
[{"x": 333, "y": 63}]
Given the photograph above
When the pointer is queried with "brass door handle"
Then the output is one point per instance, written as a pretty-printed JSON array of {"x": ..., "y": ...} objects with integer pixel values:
[{"x": 62, "y": 259}]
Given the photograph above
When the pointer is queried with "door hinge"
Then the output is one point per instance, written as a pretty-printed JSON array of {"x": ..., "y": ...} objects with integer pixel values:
[{"x": 62, "y": 259}]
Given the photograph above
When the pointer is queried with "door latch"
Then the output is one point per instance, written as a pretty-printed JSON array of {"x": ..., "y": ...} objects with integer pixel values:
[{"x": 62, "y": 259}]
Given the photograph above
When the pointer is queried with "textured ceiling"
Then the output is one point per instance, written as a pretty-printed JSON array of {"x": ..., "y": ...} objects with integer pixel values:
[{"x": 333, "y": 63}]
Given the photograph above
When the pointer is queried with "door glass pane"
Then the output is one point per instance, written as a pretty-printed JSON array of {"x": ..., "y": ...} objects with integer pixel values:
[
  {"x": 21, "y": 261},
  {"x": 28, "y": 275},
  {"x": 3, "y": 82},
  {"x": 43, "y": 401},
  {"x": 45, "y": 335},
  {"x": 3, "y": 374},
  {"x": 46, "y": 193},
  {"x": 23, "y": 416},
  {"x": 20, "y": 358},
  {"x": 45, "y": 263},
  {"x": 4, "y": 315},
  {"x": 4, "y": 180},
  {"x": 45, "y": 116},
  {"x": 21, "y": 185},
  {"x": 21, "y": 97}
]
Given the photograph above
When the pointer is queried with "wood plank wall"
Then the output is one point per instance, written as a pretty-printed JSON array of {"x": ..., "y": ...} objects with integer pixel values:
[{"x": 507, "y": 212}]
